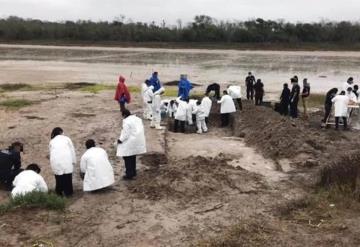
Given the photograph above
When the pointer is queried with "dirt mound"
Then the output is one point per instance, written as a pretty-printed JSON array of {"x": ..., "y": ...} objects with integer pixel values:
[
  {"x": 282, "y": 137},
  {"x": 190, "y": 179}
]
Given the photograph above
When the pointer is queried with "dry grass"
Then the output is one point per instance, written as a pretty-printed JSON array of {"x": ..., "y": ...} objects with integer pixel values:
[{"x": 14, "y": 104}]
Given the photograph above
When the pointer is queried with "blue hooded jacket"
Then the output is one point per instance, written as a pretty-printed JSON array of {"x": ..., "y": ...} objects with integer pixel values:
[
  {"x": 155, "y": 82},
  {"x": 184, "y": 88}
]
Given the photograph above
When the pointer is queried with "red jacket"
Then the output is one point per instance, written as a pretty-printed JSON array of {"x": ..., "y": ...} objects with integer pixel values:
[{"x": 122, "y": 90}]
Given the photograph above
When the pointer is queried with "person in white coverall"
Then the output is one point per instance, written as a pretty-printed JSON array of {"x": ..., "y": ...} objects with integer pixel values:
[
  {"x": 227, "y": 107},
  {"x": 131, "y": 142},
  {"x": 200, "y": 118},
  {"x": 62, "y": 161},
  {"x": 28, "y": 181},
  {"x": 156, "y": 109},
  {"x": 341, "y": 103},
  {"x": 206, "y": 104},
  {"x": 95, "y": 168},
  {"x": 181, "y": 115},
  {"x": 191, "y": 118},
  {"x": 235, "y": 93},
  {"x": 147, "y": 95}
]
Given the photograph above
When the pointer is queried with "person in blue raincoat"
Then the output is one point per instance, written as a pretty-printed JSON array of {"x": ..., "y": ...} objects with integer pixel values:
[
  {"x": 184, "y": 88},
  {"x": 155, "y": 82}
]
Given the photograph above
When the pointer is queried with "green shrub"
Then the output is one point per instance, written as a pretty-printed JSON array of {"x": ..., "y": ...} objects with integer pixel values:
[
  {"x": 14, "y": 87},
  {"x": 16, "y": 103},
  {"x": 34, "y": 199}
]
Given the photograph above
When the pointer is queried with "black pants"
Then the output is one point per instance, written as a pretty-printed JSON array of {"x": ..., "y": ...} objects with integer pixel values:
[
  {"x": 130, "y": 166},
  {"x": 122, "y": 107},
  {"x": 182, "y": 126},
  {"x": 64, "y": 185},
  {"x": 7, "y": 177},
  {"x": 294, "y": 109},
  {"x": 249, "y": 93},
  {"x": 337, "y": 122},
  {"x": 239, "y": 103},
  {"x": 327, "y": 112},
  {"x": 225, "y": 119},
  {"x": 284, "y": 108},
  {"x": 258, "y": 98}
]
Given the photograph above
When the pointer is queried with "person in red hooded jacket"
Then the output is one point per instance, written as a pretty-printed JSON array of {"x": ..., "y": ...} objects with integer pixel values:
[{"x": 122, "y": 94}]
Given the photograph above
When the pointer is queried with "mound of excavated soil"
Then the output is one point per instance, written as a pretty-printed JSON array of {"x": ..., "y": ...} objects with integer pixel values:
[
  {"x": 281, "y": 137},
  {"x": 193, "y": 178}
]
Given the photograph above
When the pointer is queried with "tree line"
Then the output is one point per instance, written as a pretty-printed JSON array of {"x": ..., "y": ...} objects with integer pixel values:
[{"x": 201, "y": 29}]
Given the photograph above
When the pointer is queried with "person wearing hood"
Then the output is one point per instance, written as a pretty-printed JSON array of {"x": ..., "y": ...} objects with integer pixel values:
[
  {"x": 156, "y": 109},
  {"x": 200, "y": 118},
  {"x": 28, "y": 181},
  {"x": 285, "y": 100},
  {"x": 348, "y": 83},
  {"x": 213, "y": 87},
  {"x": 294, "y": 97},
  {"x": 181, "y": 115},
  {"x": 328, "y": 104},
  {"x": 249, "y": 83},
  {"x": 147, "y": 95},
  {"x": 341, "y": 103},
  {"x": 235, "y": 93},
  {"x": 96, "y": 168},
  {"x": 227, "y": 107},
  {"x": 206, "y": 104},
  {"x": 305, "y": 96},
  {"x": 122, "y": 94},
  {"x": 10, "y": 163},
  {"x": 184, "y": 88},
  {"x": 356, "y": 91},
  {"x": 131, "y": 143},
  {"x": 259, "y": 92},
  {"x": 62, "y": 161},
  {"x": 155, "y": 81}
]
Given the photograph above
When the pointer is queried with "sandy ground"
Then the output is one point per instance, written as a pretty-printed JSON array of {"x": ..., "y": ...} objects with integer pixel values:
[{"x": 203, "y": 185}]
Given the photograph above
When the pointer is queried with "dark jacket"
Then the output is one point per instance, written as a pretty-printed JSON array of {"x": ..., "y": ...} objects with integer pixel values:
[
  {"x": 285, "y": 96},
  {"x": 250, "y": 80},
  {"x": 306, "y": 92},
  {"x": 259, "y": 87},
  {"x": 295, "y": 93},
  {"x": 9, "y": 160}
]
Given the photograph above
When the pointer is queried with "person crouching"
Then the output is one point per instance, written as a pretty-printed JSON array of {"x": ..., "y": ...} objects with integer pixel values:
[
  {"x": 95, "y": 168},
  {"x": 200, "y": 118}
]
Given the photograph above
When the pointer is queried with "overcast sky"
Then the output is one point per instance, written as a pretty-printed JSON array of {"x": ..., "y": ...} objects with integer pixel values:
[{"x": 171, "y": 10}]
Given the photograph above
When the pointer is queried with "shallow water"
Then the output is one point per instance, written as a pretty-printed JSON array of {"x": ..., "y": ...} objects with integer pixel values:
[{"x": 50, "y": 64}]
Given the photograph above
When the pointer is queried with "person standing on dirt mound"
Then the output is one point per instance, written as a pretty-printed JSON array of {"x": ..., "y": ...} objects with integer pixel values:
[
  {"x": 227, "y": 107},
  {"x": 155, "y": 81},
  {"x": 122, "y": 94},
  {"x": 285, "y": 100},
  {"x": 156, "y": 110},
  {"x": 294, "y": 98},
  {"x": 259, "y": 92},
  {"x": 184, "y": 87},
  {"x": 305, "y": 96},
  {"x": 131, "y": 143},
  {"x": 96, "y": 168},
  {"x": 62, "y": 161},
  {"x": 249, "y": 83}
]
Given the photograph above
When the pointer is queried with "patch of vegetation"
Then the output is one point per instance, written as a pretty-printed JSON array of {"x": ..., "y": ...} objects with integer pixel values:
[
  {"x": 96, "y": 88},
  {"x": 16, "y": 103},
  {"x": 244, "y": 234},
  {"x": 78, "y": 85},
  {"x": 14, "y": 87},
  {"x": 34, "y": 199}
]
